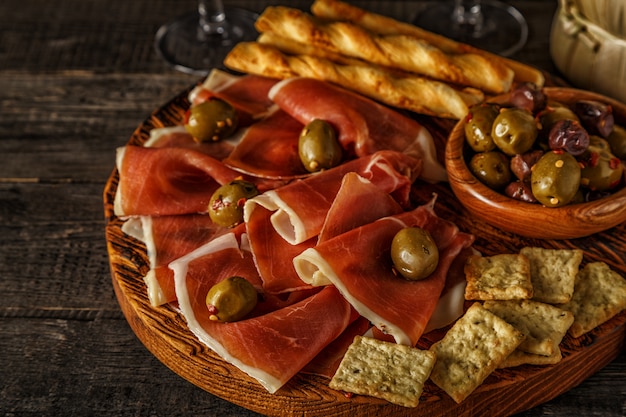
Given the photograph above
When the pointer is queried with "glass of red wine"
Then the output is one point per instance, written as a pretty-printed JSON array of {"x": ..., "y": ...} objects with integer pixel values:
[
  {"x": 198, "y": 41},
  {"x": 486, "y": 24}
]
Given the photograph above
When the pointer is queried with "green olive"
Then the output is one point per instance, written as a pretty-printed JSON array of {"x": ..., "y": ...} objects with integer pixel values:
[
  {"x": 478, "y": 127},
  {"x": 599, "y": 143},
  {"x": 226, "y": 204},
  {"x": 318, "y": 146},
  {"x": 514, "y": 130},
  {"x": 414, "y": 253},
  {"x": 555, "y": 179},
  {"x": 617, "y": 140},
  {"x": 602, "y": 171},
  {"x": 211, "y": 120},
  {"x": 553, "y": 113},
  {"x": 231, "y": 299},
  {"x": 492, "y": 169}
]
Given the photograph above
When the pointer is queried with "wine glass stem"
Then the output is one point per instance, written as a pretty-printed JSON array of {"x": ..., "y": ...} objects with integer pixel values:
[
  {"x": 468, "y": 14},
  {"x": 212, "y": 17}
]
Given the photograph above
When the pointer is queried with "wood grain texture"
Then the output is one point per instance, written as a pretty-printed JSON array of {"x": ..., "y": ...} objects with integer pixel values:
[
  {"x": 76, "y": 78},
  {"x": 505, "y": 392}
]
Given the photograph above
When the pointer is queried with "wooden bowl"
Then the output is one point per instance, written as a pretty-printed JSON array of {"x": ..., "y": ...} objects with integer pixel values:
[{"x": 527, "y": 219}]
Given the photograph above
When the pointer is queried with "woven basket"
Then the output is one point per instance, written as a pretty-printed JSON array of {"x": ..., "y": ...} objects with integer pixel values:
[{"x": 589, "y": 56}]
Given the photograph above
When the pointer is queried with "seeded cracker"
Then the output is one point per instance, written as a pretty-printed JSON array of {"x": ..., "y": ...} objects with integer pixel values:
[
  {"x": 476, "y": 344},
  {"x": 553, "y": 273},
  {"x": 498, "y": 277},
  {"x": 393, "y": 372},
  {"x": 599, "y": 294},
  {"x": 543, "y": 324}
]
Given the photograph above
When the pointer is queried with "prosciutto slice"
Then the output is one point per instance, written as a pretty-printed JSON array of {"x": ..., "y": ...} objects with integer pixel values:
[
  {"x": 273, "y": 255},
  {"x": 169, "y": 181},
  {"x": 300, "y": 207},
  {"x": 363, "y": 125},
  {"x": 269, "y": 148},
  {"x": 349, "y": 211},
  {"x": 168, "y": 238},
  {"x": 177, "y": 137},
  {"x": 359, "y": 265},
  {"x": 248, "y": 94},
  {"x": 278, "y": 340}
]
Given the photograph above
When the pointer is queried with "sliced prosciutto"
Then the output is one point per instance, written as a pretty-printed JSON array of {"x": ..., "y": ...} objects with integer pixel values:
[
  {"x": 301, "y": 206},
  {"x": 273, "y": 255},
  {"x": 357, "y": 202},
  {"x": 168, "y": 238},
  {"x": 363, "y": 126},
  {"x": 269, "y": 148},
  {"x": 276, "y": 341},
  {"x": 248, "y": 94},
  {"x": 167, "y": 181},
  {"x": 359, "y": 264},
  {"x": 178, "y": 137}
]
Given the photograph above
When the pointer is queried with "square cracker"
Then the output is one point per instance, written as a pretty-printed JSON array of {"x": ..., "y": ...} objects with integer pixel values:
[
  {"x": 543, "y": 324},
  {"x": 553, "y": 273},
  {"x": 393, "y": 372},
  {"x": 471, "y": 350},
  {"x": 498, "y": 277},
  {"x": 518, "y": 358},
  {"x": 599, "y": 294}
]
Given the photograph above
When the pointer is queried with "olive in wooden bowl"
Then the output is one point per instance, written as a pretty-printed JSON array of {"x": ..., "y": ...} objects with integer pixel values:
[{"x": 518, "y": 200}]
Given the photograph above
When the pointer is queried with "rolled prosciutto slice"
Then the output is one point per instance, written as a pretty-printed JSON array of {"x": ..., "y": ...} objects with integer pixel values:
[
  {"x": 363, "y": 125},
  {"x": 359, "y": 264},
  {"x": 278, "y": 339},
  {"x": 300, "y": 207}
]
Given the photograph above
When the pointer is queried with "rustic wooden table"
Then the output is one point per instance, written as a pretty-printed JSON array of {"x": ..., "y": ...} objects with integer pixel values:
[{"x": 76, "y": 78}]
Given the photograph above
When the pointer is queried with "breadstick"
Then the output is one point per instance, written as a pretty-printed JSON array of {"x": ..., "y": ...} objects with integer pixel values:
[
  {"x": 404, "y": 52},
  {"x": 383, "y": 25},
  {"x": 409, "y": 92}
]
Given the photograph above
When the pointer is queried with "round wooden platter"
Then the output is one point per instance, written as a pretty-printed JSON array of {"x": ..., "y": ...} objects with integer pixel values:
[{"x": 163, "y": 330}]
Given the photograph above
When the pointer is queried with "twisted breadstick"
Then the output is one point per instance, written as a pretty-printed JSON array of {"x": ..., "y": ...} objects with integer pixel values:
[
  {"x": 383, "y": 25},
  {"x": 409, "y": 92},
  {"x": 400, "y": 51}
]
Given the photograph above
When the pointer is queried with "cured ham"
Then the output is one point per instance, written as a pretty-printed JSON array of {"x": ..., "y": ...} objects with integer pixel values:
[
  {"x": 359, "y": 265},
  {"x": 269, "y": 148},
  {"x": 276, "y": 341},
  {"x": 273, "y": 255},
  {"x": 314, "y": 246},
  {"x": 169, "y": 181},
  {"x": 168, "y": 238},
  {"x": 363, "y": 126},
  {"x": 248, "y": 94},
  {"x": 300, "y": 207},
  {"x": 177, "y": 137},
  {"x": 348, "y": 211}
]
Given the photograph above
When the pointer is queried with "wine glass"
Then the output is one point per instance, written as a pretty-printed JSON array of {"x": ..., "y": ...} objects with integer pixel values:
[
  {"x": 198, "y": 41},
  {"x": 486, "y": 24}
]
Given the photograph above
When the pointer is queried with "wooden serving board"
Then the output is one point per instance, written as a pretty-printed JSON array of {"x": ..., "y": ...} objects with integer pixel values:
[{"x": 163, "y": 330}]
